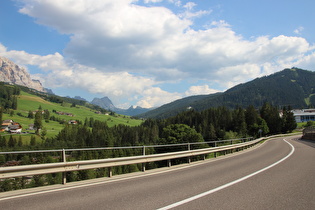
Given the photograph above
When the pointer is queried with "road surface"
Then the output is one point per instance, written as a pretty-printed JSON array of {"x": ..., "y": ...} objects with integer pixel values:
[{"x": 279, "y": 174}]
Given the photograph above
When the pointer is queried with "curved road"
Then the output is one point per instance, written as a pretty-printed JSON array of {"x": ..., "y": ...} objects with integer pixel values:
[{"x": 278, "y": 174}]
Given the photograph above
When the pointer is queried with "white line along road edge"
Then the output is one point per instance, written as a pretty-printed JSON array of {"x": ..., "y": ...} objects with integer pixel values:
[{"x": 228, "y": 184}]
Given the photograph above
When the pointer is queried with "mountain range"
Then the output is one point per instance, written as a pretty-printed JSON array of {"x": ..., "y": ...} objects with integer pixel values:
[
  {"x": 12, "y": 73},
  {"x": 290, "y": 87},
  {"x": 106, "y": 103}
]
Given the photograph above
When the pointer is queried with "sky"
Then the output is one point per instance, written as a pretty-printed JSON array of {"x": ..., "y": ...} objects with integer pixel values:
[{"x": 151, "y": 52}]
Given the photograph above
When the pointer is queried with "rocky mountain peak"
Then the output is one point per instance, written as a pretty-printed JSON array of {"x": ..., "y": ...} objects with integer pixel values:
[
  {"x": 12, "y": 73},
  {"x": 104, "y": 102}
]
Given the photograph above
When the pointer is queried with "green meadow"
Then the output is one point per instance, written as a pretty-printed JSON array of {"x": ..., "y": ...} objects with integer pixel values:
[{"x": 28, "y": 102}]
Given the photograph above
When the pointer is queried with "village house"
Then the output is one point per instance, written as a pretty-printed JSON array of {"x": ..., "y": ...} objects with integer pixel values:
[
  {"x": 15, "y": 128},
  {"x": 73, "y": 122},
  {"x": 5, "y": 125},
  {"x": 64, "y": 113},
  {"x": 31, "y": 127},
  {"x": 34, "y": 112},
  {"x": 11, "y": 126}
]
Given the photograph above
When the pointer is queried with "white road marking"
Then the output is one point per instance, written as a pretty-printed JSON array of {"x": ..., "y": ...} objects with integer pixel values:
[{"x": 228, "y": 184}]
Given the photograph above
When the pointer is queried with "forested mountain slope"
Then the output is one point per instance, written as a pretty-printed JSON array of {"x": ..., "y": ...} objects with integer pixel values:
[{"x": 290, "y": 87}]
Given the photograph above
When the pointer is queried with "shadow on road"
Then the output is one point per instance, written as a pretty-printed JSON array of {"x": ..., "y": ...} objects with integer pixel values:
[{"x": 310, "y": 143}]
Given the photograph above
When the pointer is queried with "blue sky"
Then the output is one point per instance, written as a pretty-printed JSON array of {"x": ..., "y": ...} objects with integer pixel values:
[{"x": 152, "y": 52}]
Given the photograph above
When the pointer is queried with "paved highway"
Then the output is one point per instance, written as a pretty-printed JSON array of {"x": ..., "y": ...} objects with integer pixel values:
[{"x": 275, "y": 175}]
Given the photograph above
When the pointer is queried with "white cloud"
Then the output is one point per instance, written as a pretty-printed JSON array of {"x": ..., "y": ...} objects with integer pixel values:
[
  {"x": 176, "y": 2},
  {"x": 299, "y": 30},
  {"x": 60, "y": 74},
  {"x": 306, "y": 62},
  {"x": 200, "y": 90},
  {"x": 190, "y": 5},
  {"x": 190, "y": 13},
  {"x": 153, "y": 1},
  {"x": 237, "y": 74},
  {"x": 53, "y": 62},
  {"x": 155, "y": 96}
]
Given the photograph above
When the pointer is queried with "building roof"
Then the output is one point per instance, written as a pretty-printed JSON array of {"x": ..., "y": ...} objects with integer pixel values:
[
  {"x": 15, "y": 127},
  {"x": 6, "y": 124},
  {"x": 303, "y": 112},
  {"x": 7, "y": 121}
]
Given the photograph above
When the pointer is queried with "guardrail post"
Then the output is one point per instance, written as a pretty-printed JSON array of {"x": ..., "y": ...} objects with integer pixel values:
[
  {"x": 189, "y": 158},
  {"x": 64, "y": 174},
  {"x": 143, "y": 164},
  {"x": 169, "y": 164},
  {"x": 110, "y": 172}
]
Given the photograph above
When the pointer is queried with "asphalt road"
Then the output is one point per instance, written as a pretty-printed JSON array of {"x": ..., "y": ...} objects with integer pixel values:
[{"x": 274, "y": 175}]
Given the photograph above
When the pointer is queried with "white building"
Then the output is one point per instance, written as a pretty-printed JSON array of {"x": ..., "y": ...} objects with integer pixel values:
[{"x": 304, "y": 115}]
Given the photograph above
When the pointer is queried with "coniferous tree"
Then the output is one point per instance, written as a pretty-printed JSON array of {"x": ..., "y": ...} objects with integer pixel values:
[
  {"x": 239, "y": 123},
  {"x": 251, "y": 118},
  {"x": 3, "y": 142},
  {"x": 11, "y": 142},
  {"x": 263, "y": 128},
  {"x": 86, "y": 122},
  {"x": 91, "y": 122},
  {"x": 38, "y": 121},
  {"x": 46, "y": 114},
  {"x": 14, "y": 102},
  {"x": 43, "y": 133},
  {"x": 33, "y": 141},
  {"x": 30, "y": 114},
  {"x": 271, "y": 115},
  {"x": 20, "y": 144},
  {"x": 212, "y": 133},
  {"x": 288, "y": 120}
]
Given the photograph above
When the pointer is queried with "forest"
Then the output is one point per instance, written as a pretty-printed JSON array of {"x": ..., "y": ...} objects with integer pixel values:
[{"x": 215, "y": 123}]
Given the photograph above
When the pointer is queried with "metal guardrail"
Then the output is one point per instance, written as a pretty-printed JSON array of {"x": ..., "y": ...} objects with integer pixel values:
[
  {"x": 65, "y": 166},
  {"x": 129, "y": 147}
]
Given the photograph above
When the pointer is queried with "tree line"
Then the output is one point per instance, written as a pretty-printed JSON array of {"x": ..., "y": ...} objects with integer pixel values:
[{"x": 212, "y": 124}]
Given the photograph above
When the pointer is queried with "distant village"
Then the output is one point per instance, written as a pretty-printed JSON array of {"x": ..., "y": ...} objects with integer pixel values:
[{"x": 16, "y": 128}]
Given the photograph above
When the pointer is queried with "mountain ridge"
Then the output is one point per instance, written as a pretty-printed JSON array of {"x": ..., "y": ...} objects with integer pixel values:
[{"x": 290, "y": 87}]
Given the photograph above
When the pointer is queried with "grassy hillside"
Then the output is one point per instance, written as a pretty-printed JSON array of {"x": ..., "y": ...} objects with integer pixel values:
[{"x": 28, "y": 102}]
